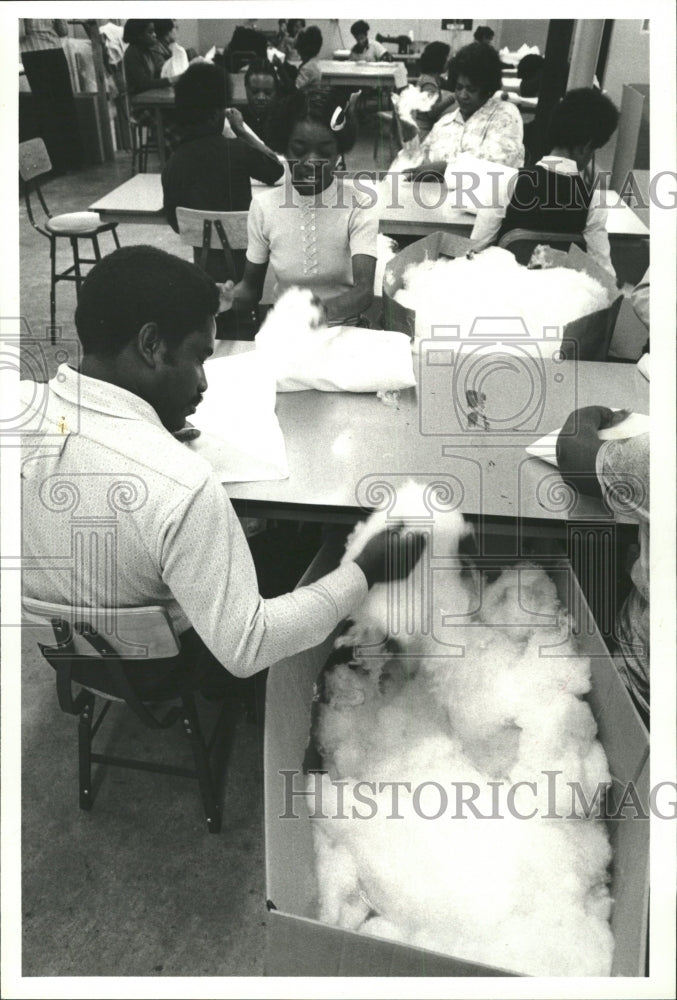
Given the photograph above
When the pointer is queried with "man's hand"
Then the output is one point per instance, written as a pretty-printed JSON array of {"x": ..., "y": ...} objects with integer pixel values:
[
  {"x": 578, "y": 444},
  {"x": 387, "y": 556},
  {"x": 235, "y": 119},
  {"x": 226, "y": 295}
]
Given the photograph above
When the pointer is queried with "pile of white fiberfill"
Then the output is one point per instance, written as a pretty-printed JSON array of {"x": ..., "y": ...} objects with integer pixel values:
[
  {"x": 492, "y": 284},
  {"x": 455, "y": 735},
  {"x": 413, "y": 99}
]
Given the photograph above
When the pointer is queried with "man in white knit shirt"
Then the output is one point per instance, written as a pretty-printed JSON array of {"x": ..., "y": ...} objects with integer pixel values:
[{"x": 101, "y": 463}]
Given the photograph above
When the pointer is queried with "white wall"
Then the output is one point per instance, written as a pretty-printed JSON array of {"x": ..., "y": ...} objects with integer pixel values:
[{"x": 627, "y": 62}]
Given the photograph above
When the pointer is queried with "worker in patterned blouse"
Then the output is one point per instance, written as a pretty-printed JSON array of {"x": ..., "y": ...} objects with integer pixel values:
[
  {"x": 482, "y": 123},
  {"x": 312, "y": 230}
]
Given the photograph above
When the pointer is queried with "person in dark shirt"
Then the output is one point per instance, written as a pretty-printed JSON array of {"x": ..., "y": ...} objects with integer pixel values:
[
  {"x": 262, "y": 87},
  {"x": 142, "y": 67},
  {"x": 212, "y": 172}
]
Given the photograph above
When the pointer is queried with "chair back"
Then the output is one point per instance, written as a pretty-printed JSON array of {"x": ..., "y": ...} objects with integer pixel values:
[
  {"x": 522, "y": 242},
  {"x": 203, "y": 230},
  {"x": 34, "y": 160},
  {"x": 133, "y": 633}
]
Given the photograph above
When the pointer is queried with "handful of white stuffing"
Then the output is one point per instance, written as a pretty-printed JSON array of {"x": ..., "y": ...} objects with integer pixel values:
[{"x": 491, "y": 284}]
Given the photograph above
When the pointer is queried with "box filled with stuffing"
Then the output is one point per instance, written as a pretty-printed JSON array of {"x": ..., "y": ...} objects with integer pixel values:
[
  {"x": 372, "y": 930},
  {"x": 440, "y": 286}
]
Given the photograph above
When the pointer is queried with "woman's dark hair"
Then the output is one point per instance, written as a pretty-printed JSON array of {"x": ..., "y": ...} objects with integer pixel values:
[
  {"x": 134, "y": 29},
  {"x": 309, "y": 43},
  {"x": 478, "y": 63},
  {"x": 583, "y": 115},
  {"x": 163, "y": 28},
  {"x": 137, "y": 285},
  {"x": 261, "y": 67},
  {"x": 313, "y": 106},
  {"x": 295, "y": 24},
  {"x": 530, "y": 65},
  {"x": 434, "y": 57},
  {"x": 483, "y": 33},
  {"x": 200, "y": 91},
  {"x": 359, "y": 28}
]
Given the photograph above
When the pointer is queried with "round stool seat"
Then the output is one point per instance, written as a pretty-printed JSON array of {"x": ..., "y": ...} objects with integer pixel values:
[{"x": 77, "y": 223}]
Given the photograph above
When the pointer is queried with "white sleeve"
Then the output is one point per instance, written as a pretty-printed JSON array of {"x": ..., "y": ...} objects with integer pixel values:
[
  {"x": 258, "y": 245},
  {"x": 205, "y": 561},
  {"x": 596, "y": 235}
]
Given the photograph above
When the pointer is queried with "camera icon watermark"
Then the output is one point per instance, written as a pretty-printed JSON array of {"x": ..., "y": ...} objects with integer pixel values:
[{"x": 497, "y": 379}]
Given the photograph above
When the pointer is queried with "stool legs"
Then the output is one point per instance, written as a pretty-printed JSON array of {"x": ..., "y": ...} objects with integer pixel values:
[
  {"x": 84, "y": 753},
  {"x": 192, "y": 730},
  {"x": 52, "y": 288}
]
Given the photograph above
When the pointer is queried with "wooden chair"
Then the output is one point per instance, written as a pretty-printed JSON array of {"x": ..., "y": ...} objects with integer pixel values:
[
  {"x": 34, "y": 162},
  {"x": 522, "y": 242},
  {"x": 105, "y": 652}
]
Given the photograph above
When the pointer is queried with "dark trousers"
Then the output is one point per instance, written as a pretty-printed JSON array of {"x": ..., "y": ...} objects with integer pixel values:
[{"x": 50, "y": 83}]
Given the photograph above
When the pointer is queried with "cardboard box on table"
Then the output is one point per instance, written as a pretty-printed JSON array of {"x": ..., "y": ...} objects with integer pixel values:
[
  {"x": 297, "y": 944},
  {"x": 584, "y": 339}
]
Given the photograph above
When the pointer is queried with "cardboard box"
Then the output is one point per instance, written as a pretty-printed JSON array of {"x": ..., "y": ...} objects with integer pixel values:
[
  {"x": 297, "y": 944},
  {"x": 584, "y": 339}
]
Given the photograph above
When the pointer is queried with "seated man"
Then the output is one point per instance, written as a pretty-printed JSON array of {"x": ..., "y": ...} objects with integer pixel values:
[
  {"x": 363, "y": 50},
  {"x": 208, "y": 170},
  {"x": 554, "y": 196},
  {"x": 103, "y": 439},
  {"x": 600, "y": 467}
]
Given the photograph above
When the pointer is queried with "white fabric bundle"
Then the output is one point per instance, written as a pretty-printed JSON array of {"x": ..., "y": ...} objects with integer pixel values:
[
  {"x": 240, "y": 434},
  {"x": 304, "y": 355},
  {"x": 177, "y": 62},
  {"x": 478, "y": 702},
  {"x": 412, "y": 99},
  {"x": 479, "y": 183},
  {"x": 457, "y": 293}
]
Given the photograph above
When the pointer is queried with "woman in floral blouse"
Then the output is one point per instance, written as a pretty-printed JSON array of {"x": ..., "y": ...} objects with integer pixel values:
[{"x": 481, "y": 123}]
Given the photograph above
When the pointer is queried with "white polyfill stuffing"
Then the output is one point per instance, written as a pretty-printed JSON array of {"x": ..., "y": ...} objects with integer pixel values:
[
  {"x": 412, "y": 99},
  {"x": 458, "y": 292},
  {"x": 496, "y": 698}
]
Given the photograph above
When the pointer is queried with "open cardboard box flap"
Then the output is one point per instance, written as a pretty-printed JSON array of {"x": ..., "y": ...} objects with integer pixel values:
[{"x": 297, "y": 944}]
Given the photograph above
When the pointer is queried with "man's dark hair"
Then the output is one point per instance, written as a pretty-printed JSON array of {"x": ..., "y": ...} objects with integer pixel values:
[
  {"x": 261, "y": 67},
  {"x": 483, "y": 33},
  {"x": 137, "y": 285},
  {"x": 309, "y": 42},
  {"x": 530, "y": 64},
  {"x": 200, "y": 91},
  {"x": 359, "y": 28},
  {"x": 434, "y": 57},
  {"x": 134, "y": 29},
  {"x": 583, "y": 115},
  {"x": 313, "y": 106},
  {"x": 480, "y": 64}
]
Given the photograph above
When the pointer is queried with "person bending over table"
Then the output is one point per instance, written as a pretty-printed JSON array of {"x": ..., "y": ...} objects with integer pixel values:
[
  {"x": 363, "y": 50},
  {"x": 145, "y": 319},
  {"x": 209, "y": 171},
  {"x": 554, "y": 196},
  {"x": 482, "y": 124},
  {"x": 311, "y": 230},
  {"x": 597, "y": 468}
]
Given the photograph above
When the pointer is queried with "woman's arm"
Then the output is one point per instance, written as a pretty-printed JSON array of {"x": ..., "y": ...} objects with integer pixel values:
[
  {"x": 271, "y": 167},
  {"x": 139, "y": 77},
  {"x": 355, "y": 300},
  {"x": 248, "y": 292}
]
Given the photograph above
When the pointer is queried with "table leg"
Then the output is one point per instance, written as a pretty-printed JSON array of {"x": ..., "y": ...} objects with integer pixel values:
[{"x": 160, "y": 132}]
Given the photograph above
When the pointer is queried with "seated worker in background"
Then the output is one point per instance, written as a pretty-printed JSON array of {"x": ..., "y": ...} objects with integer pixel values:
[
  {"x": 432, "y": 64},
  {"x": 209, "y": 171},
  {"x": 530, "y": 73},
  {"x": 262, "y": 87},
  {"x": 145, "y": 319},
  {"x": 167, "y": 45},
  {"x": 142, "y": 67},
  {"x": 363, "y": 50},
  {"x": 308, "y": 45},
  {"x": 311, "y": 231},
  {"x": 553, "y": 196},
  {"x": 246, "y": 44},
  {"x": 482, "y": 124},
  {"x": 598, "y": 468},
  {"x": 287, "y": 43},
  {"x": 484, "y": 34}
]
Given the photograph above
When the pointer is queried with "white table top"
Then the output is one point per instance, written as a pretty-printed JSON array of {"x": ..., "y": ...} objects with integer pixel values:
[
  {"x": 383, "y": 73},
  {"x": 340, "y": 445}
]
